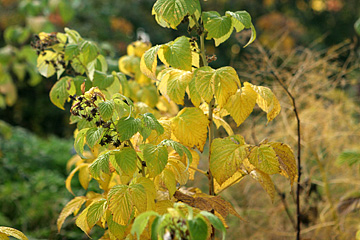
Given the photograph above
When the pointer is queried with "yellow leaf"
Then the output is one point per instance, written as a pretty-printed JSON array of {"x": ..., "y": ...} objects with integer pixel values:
[
  {"x": 173, "y": 83},
  {"x": 129, "y": 65},
  {"x": 267, "y": 101},
  {"x": 178, "y": 168},
  {"x": 138, "y": 48},
  {"x": 84, "y": 177},
  {"x": 138, "y": 197},
  {"x": 155, "y": 139},
  {"x": 167, "y": 179},
  {"x": 265, "y": 181},
  {"x": 235, "y": 178},
  {"x": 162, "y": 206},
  {"x": 71, "y": 175},
  {"x": 70, "y": 208},
  {"x": 148, "y": 62},
  {"x": 190, "y": 127},
  {"x": 264, "y": 158},
  {"x": 150, "y": 191},
  {"x": 286, "y": 159},
  {"x": 96, "y": 211},
  {"x": 167, "y": 108},
  {"x": 194, "y": 163},
  {"x": 13, "y": 233},
  {"x": 219, "y": 122},
  {"x": 226, "y": 157},
  {"x": 241, "y": 104},
  {"x": 82, "y": 223}
]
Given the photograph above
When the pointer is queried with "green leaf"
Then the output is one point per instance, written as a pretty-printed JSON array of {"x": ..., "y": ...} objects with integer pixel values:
[
  {"x": 177, "y": 54},
  {"x": 179, "y": 148},
  {"x": 141, "y": 222},
  {"x": 170, "y": 13},
  {"x": 198, "y": 228},
  {"x": 127, "y": 127},
  {"x": 71, "y": 51},
  {"x": 80, "y": 141},
  {"x": 120, "y": 204},
  {"x": 215, "y": 221},
  {"x": 106, "y": 109},
  {"x": 73, "y": 36},
  {"x": 155, "y": 227},
  {"x": 101, "y": 80},
  {"x": 149, "y": 123},
  {"x": 241, "y": 20},
  {"x": 173, "y": 84},
  {"x": 227, "y": 155},
  {"x": 59, "y": 93},
  {"x": 96, "y": 211},
  {"x": 93, "y": 136},
  {"x": 126, "y": 159},
  {"x": 264, "y": 158},
  {"x": 101, "y": 164},
  {"x": 89, "y": 51},
  {"x": 156, "y": 158},
  {"x": 219, "y": 28}
]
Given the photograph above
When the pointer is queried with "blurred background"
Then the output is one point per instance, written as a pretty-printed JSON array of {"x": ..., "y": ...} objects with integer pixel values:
[{"x": 314, "y": 47}]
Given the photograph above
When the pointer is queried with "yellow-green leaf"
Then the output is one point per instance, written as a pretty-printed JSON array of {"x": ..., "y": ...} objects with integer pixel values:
[
  {"x": 120, "y": 204},
  {"x": 170, "y": 13},
  {"x": 222, "y": 83},
  {"x": 148, "y": 62},
  {"x": 226, "y": 157},
  {"x": 177, "y": 54},
  {"x": 95, "y": 211},
  {"x": 173, "y": 84},
  {"x": 79, "y": 142},
  {"x": 138, "y": 196},
  {"x": 264, "y": 158},
  {"x": 267, "y": 101},
  {"x": 149, "y": 190},
  {"x": 286, "y": 159},
  {"x": 8, "y": 231},
  {"x": 82, "y": 223},
  {"x": 126, "y": 160},
  {"x": 241, "y": 20},
  {"x": 106, "y": 109},
  {"x": 241, "y": 104},
  {"x": 59, "y": 93},
  {"x": 218, "y": 27},
  {"x": 190, "y": 127},
  {"x": 265, "y": 181},
  {"x": 167, "y": 179},
  {"x": 156, "y": 158},
  {"x": 101, "y": 164}
]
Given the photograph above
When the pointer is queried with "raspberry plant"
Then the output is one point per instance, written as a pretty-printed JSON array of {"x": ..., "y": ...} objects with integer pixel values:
[{"x": 140, "y": 149}]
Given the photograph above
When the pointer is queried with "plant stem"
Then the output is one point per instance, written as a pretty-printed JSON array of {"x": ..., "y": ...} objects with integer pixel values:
[
  {"x": 203, "y": 63},
  {"x": 198, "y": 170},
  {"x": 276, "y": 74}
]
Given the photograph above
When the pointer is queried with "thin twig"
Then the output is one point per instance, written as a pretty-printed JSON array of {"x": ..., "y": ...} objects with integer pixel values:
[
  {"x": 282, "y": 84},
  {"x": 287, "y": 210}
]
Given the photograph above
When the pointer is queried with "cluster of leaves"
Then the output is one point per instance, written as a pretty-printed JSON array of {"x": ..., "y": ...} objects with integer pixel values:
[{"x": 140, "y": 153}]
